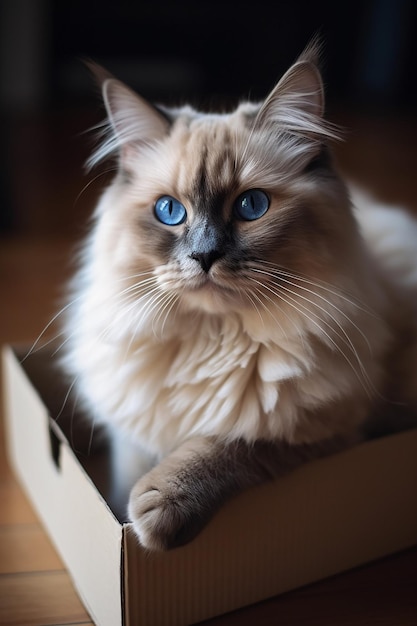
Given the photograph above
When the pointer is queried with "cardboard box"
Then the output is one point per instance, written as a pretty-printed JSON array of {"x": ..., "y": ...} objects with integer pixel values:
[{"x": 326, "y": 517}]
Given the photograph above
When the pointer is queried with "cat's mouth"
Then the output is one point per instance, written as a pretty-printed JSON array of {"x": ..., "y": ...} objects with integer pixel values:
[
  {"x": 211, "y": 284},
  {"x": 210, "y": 294},
  {"x": 215, "y": 291}
]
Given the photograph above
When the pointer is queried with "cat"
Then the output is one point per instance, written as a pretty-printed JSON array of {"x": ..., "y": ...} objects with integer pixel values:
[{"x": 233, "y": 314}]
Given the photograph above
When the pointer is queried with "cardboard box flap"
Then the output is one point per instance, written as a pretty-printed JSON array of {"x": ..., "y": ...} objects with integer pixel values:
[{"x": 84, "y": 531}]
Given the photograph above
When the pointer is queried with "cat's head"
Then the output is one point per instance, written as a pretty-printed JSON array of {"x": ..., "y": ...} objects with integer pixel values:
[{"x": 210, "y": 209}]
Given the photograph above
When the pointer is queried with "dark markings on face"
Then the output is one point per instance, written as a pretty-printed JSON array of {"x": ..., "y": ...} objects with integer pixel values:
[
  {"x": 158, "y": 240},
  {"x": 212, "y": 230},
  {"x": 208, "y": 193}
]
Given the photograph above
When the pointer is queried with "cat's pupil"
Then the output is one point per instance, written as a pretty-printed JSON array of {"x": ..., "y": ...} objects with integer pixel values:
[
  {"x": 249, "y": 199},
  {"x": 170, "y": 211},
  {"x": 251, "y": 205}
]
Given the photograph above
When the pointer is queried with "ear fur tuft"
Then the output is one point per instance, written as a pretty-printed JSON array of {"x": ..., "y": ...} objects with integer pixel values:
[
  {"x": 131, "y": 120},
  {"x": 296, "y": 104}
]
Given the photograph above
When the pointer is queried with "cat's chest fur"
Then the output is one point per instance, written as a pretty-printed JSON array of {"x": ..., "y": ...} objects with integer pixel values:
[{"x": 213, "y": 378}]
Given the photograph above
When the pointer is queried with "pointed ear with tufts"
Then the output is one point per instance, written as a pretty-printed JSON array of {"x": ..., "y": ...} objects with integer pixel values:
[
  {"x": 296, "y": 104},
  {"x": 132, "y": 121}
]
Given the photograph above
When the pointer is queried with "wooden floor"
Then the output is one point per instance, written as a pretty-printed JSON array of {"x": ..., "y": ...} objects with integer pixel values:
[{"x": 46, "y": 179}]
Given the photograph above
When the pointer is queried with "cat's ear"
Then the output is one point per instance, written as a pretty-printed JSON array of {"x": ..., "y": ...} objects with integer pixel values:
[
  {"x": 132, "y": 121},
  {"x": 296, "y": 103}
]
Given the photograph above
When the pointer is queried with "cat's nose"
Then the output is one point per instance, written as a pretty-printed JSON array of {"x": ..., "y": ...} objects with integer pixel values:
[{"x": 206, "y": 259}]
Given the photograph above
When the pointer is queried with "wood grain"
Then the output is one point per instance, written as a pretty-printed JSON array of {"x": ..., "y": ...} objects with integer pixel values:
[
  {"x": 25, "y": 548},
  {"x": 40, "y": 598}
]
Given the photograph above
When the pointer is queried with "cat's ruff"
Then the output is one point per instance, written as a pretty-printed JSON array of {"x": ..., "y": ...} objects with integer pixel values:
[{"x": 215, "y": 379}]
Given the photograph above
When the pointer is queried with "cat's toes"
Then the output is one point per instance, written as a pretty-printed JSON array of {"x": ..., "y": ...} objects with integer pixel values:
[{"x": 162, "y": 520}]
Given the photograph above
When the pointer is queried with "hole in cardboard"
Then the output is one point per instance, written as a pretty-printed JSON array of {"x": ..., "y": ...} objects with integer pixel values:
[{"x": 55, "y": 447}]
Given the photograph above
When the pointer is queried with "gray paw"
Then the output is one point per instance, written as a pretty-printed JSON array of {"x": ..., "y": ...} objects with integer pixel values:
[{"x": 163, "y": 514}]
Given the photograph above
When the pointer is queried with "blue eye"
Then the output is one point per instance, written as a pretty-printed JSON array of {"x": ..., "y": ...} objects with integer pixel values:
[
  {"x": 251, "y": 205},
  {"x": 170, "y": 211}
]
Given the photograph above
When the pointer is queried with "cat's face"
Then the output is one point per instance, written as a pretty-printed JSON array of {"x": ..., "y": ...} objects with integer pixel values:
[{"x": 211, "y": 207}]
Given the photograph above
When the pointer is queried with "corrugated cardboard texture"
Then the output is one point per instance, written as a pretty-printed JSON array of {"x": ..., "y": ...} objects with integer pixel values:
[{"x": 324, "y": 518}]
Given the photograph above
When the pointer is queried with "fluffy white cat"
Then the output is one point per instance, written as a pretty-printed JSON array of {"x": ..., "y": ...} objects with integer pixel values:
[{"x": 233, "y": 315}]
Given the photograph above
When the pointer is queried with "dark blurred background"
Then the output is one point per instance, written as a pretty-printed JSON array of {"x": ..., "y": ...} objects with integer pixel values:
[{"x": 209, "y": 52}]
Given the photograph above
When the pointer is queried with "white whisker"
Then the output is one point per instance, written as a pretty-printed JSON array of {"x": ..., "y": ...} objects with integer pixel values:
[
  {"x": 325, "y": 311},
  {"x": 302, "y": 311},
  {"x": 165, "y": 311},
  {"x": 282, "y": 292},
  {"x": 49, "y": 324},
  {"x": 151, "y": 305},
  {"x": 90, "y": 441},
  {"x": 90, "y": 182},
  {"x": 253, "y": 298},
  {"x": 266, "y": 297},
  {"x": 67, "y": 395},
  {"x": 328, "y": 287},
  {"x": 62, "y": 344}
]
